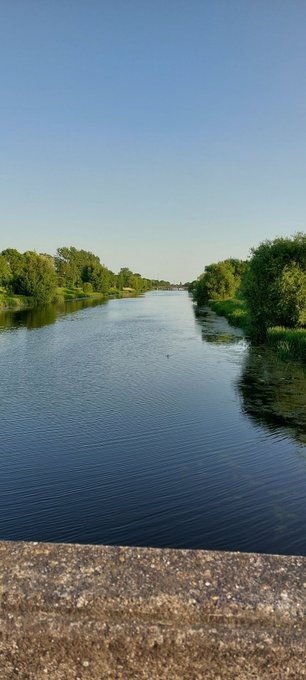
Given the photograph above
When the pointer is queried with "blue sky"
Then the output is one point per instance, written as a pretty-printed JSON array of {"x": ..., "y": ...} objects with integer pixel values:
[{"x": 160, "y": 134}]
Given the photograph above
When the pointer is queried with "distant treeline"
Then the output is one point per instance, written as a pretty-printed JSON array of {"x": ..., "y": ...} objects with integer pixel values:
[
  {"x": 267, "y": 291},
  {"x": 39, "y": 276}
]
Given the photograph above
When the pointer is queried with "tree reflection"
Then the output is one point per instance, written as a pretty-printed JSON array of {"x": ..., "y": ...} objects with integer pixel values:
[
  {"x": 44, "y": 315},
  {"x": 273, "y": 391},
  {"x": 215, "y": 329}
]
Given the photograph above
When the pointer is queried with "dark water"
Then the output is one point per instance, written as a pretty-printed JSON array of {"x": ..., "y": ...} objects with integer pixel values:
[{"x": 135, "y": 422}]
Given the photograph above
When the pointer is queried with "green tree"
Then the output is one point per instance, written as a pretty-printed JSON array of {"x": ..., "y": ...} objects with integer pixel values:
[
  {"x": 87, "y": 288},
  {"x": 290, "y": 293},
  {"x": 274, "y": 286},
  {"x": 99, "y": 277},
  {"x": 221, "y": 280},
  {"x": 72, "y": 265},
  {"x": 37, "y": 278},
  {"x": 15, "y": 262},
  {"x": 5, "y": 272},
  {"x": 124, "y": 277}
]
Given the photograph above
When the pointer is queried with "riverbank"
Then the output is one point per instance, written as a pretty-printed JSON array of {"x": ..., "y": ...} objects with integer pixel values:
[
  {"x": 290, "y": 343},
  {"x": 234, "y": 310},
  {"x": 14, "y": 302},
  {"x": 10, "y": 302}
]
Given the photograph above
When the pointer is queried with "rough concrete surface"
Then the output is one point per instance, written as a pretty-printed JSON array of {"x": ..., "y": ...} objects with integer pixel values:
[{"x": 92, "y": 612}]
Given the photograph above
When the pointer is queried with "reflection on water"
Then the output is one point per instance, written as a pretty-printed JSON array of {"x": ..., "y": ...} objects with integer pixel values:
[
  {"x": 273, "y": 392},
  {"x": 44, "y": 315},
  {"x": 136, "y": 423},
  {"x": 215, "y": 329}
]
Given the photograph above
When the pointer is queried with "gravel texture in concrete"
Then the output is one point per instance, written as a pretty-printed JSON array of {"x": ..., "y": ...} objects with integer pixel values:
[{"x": 72, "y": 612}]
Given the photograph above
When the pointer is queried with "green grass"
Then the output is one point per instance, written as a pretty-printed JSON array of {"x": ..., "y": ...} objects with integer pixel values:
[
  {"x": 290, "y": 343},
  {"x": 70, "y": 293},
  {"x": 9, "y": 301},
  {"x": 234, "y": 310},
  {"x": 78, "y": 293}
]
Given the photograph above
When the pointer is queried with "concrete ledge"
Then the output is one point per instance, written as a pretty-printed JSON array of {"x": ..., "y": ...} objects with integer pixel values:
[{"x": 94, "y": 612}]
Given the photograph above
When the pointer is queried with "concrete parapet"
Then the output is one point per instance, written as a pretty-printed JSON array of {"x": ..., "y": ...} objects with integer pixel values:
[{"x": 88, "y": 612}]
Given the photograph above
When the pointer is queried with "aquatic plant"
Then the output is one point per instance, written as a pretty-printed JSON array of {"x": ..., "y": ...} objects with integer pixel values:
[{"x": 289, "y": 342}]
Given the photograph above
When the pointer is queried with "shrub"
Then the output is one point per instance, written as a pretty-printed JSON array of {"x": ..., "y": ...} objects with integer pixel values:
[
  {"x": 87, "y": 288},
  {"x": 275, "y": 284}
]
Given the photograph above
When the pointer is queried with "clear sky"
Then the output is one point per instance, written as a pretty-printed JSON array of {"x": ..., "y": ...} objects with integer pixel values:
[{"x": 160, "y": 134}]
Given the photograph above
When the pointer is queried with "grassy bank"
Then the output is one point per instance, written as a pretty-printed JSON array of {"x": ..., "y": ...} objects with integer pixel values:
[
  {"x": 234, "y": 310},
  {"x": 9, "y": 301},
  {"x": 64, "y": 294},
  {"x": 290, "y": 343},
  {"x": 12, "y": 302}
]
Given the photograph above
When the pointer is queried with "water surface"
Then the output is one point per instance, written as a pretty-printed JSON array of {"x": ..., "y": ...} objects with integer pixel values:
[{"x": 136, "y": 422}]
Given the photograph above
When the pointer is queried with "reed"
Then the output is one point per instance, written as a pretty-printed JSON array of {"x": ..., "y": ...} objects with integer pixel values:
[
  {"x": 290, "y": 343},
  {"x": 14, "y": 302}
]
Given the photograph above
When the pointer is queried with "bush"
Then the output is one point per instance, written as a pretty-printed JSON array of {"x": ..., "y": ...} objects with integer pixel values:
[
  {"x": 220, "y": 281},
  {"x": 87, "y": 288},
  {"x": 37, "y": 278},
  {"x": 275, "y": 284}
]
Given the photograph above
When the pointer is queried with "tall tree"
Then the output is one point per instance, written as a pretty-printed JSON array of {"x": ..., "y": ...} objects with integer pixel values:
[
  {"x": 5, "y": 272},
  {"x": 275, "y": 283},
  {"x": 37, "y": 278},
  {"x": 220, "y": 280}
]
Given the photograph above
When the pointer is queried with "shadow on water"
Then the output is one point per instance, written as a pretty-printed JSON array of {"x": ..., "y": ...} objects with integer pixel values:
[
  {"x": 272, "y": 391},
  {"x": 216, "y": 329},
  {"x": 44, "y": 315},
  {"x": 105, "y": 440}
]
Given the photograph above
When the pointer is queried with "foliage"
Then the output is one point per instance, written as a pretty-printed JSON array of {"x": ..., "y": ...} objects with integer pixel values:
[
  {"x": 9, "y": 301},
  {"x": 74, "y": 266},
  {"x": 126, "y": 279},
  {"x": 289, "y": 342},
  {"x": 220, "y": 280},
  {"x": 37, "y": 279},
  {"x": 160, "y": 284},
  {"x": 87, "y": 288},
  {"x": 69, "y": 293},
  {"x": 191, "y": 285},
  {"x": 234, "y": 310},
  {"x": 69, "y": 275},
  {"x": 5, "y": 271},
  {"x": 14, "y": 263},
  {"x": 290, "y": 294},
  {"x": 275, "y": 284}
]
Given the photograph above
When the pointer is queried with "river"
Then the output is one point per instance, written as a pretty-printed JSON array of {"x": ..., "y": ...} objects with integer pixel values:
[{"x": 136, "y": 422}]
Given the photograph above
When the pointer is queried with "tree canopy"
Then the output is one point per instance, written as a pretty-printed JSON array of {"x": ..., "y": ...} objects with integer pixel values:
[
  {"x": 38, "y": 275},
  {"x": 220, "y": 280},
  {"x": 37, "y": 279},
  {"x": 275, "y": 283}
]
